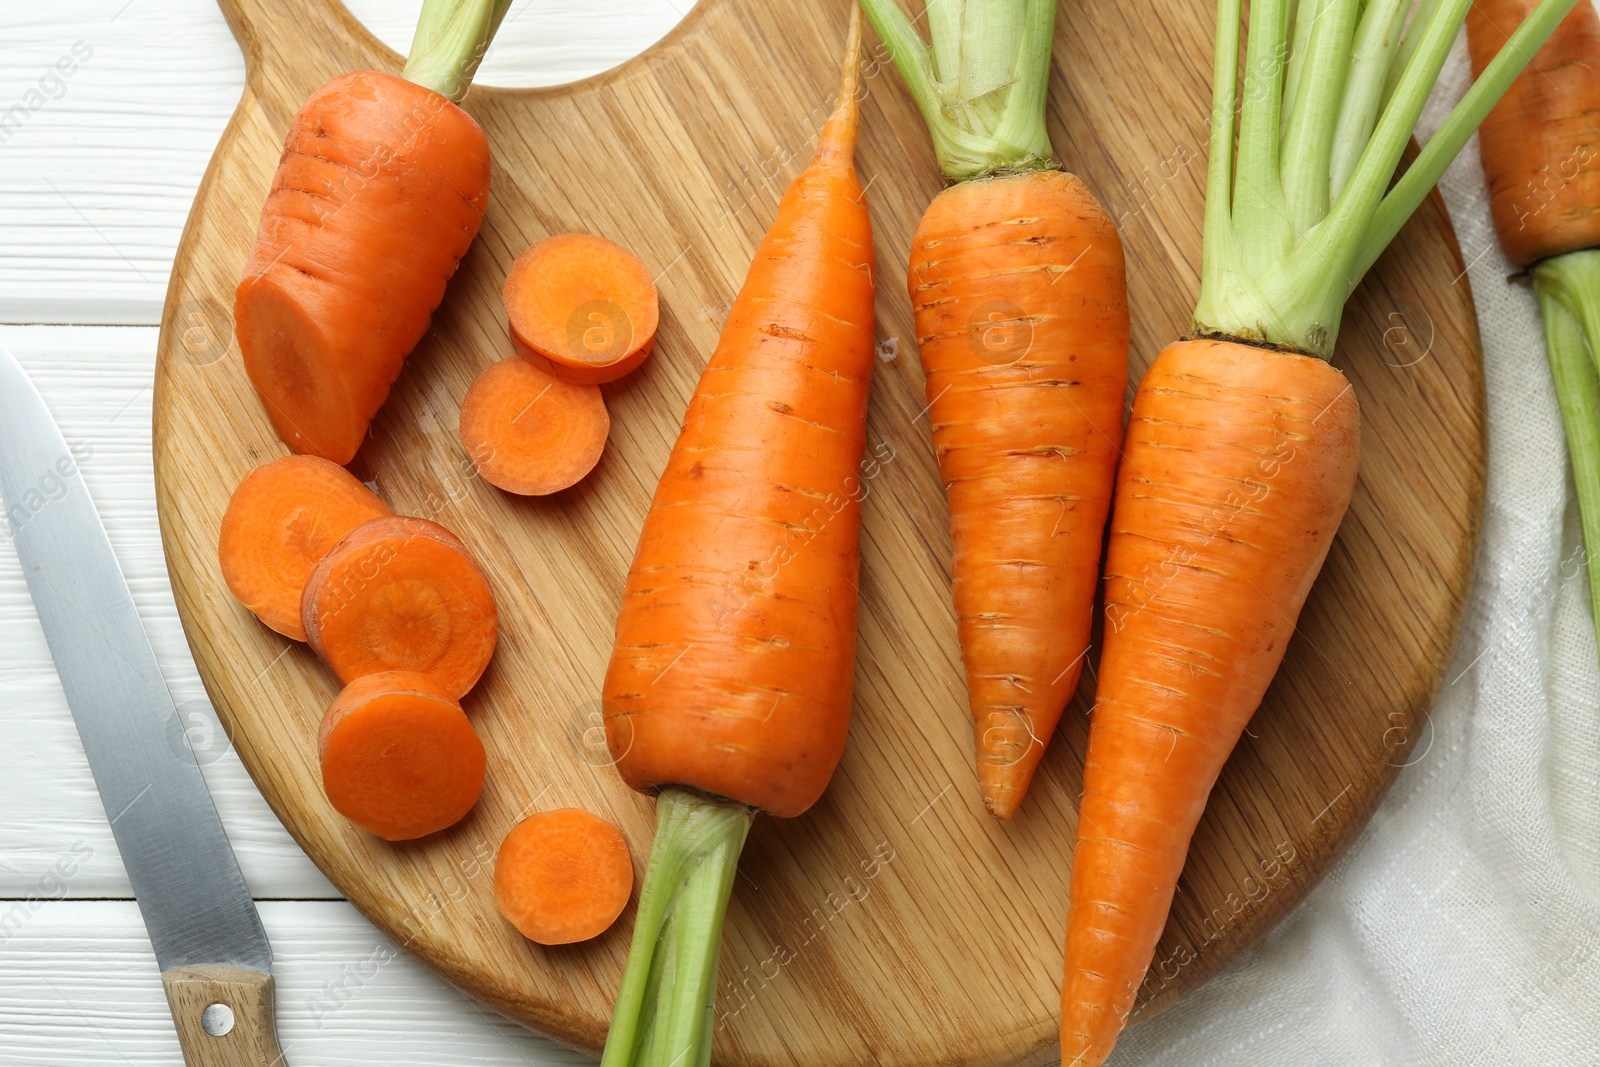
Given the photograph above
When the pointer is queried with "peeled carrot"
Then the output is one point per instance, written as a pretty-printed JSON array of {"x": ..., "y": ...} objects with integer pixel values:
[
  {"x": 1021, "y": 309},
  {"x": 1540, "y": 146},
  {"x": 529, "y": 431},
  {"x": 380, "y": 191},
  {"x": 562, "y": 876},
  {"x": 402, "y": 594},
  {"x": 1241, "y": 452},
  {"x": 399, "y": 758},
  {"x": 583, "y": 303},
  {"x": 280, "y": 521},
  {"x": 729, "y": 685}
]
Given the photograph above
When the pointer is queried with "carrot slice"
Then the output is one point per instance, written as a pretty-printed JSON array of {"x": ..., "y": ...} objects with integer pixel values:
[
  {"x": 399, "y": 758},
  {"x": 562, "y": 876},
  {"x": 530, "y": 432},
  {"x": 583, "y": 303},
  {"x": 402, "y": 594},
  {"x": 280, "y": 521}
]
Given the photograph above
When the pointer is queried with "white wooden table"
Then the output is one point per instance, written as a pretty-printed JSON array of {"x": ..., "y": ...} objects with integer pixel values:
[{"x": 97, "y": 169}]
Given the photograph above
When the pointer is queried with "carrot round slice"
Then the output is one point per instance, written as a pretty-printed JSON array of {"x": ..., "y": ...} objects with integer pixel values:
[
  {"x": 402, "y": 594},
  {"x": 530, "y": 432},
  {"x": 585, "y": 304},
  {"x": 281, "y": 520},
  {"x": 399, "y": 758},
  {"x": 562, "y": 876}
]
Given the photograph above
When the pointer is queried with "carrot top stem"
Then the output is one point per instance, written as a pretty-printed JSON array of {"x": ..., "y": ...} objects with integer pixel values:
[
  {"x": 1298, "y": 214},
  {"x": 980, "y": 81},
  {"x": 1569, "y": 297},
  {"x": 451, "y": 38},
  {"x": 664, "y": 1010}
]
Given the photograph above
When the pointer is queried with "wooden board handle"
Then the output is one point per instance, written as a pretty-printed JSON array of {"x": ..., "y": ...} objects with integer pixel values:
[{"x": 224, "y": 1016}]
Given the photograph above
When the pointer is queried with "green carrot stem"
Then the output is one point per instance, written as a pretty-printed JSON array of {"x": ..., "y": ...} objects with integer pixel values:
[
  {"x": 1376, "y": 42},
  {"x": 451, "y": 38},
  {"x": 1279, "y": 259},
  {"x": 664, "y": 1011},
  {"x": 980, "y": 82},
  {"x": 1257, "y": 191},
  {"x": 1308, "y": 142},
  {"x": 1569, "y": 297}
]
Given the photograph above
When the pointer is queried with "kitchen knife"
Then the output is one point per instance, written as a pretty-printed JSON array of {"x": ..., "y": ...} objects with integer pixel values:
[{"x": 216, "y": 964}]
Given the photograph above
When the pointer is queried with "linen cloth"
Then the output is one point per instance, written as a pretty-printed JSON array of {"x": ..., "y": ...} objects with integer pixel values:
[{"x": 1463, "y": 926}]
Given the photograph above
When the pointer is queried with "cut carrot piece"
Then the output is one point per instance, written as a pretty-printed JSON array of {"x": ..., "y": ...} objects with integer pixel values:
[
  {"x": 562, "y": 876},
  {"x": 402, "y": 594},
  {"x": 530, "y": 432},
  {"x": 585, "y": 304},
  {"x": 282, "y": 519},
  {"x": 379, "y": 192},
  {"x": 399, "y": 758}
]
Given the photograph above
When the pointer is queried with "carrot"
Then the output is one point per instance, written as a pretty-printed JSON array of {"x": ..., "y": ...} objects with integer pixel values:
[
  {"x": 380, "y": 191},
  {"x": 1540, "y": 149},
  {"x": 280, "y": 521},
  {"x": 1242, "y": 448},
  {"x": 562, "y": 876},
  {"x": 1239, "y": 464},
  {"x": 1540, "y": 146},
  {"x": 1017, "y": 287},
  {"x": 728, "y": 690},
  {"x": 399, "y": 758},
  {"x": 402, "y": 594},
  {"x": 583, "y": 303},
  {"x": 529, "y": 431}
]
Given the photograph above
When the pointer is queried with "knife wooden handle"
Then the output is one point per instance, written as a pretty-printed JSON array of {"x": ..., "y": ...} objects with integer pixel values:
[{"x": 245, "y": 1035}]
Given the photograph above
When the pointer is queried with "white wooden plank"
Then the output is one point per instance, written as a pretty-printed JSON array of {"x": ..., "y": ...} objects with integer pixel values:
[
  {"x": 103, "y": 157},
  {"x": 100, "y": 158},
  {"x": 78, "y": 985},
  {"x": 97, "y": 382},
  {"x": 543, "y": 42}
]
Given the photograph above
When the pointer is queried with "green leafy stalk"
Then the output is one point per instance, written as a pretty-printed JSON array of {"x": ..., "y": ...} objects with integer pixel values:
[
  {"x": 1377, "y": 40},
  {"x": 1305, "y": 220},
  {"x": 663, "y": 1016},
  {"x": 1569, "y": 296},
  {"x": 980, "y": 81},
  {"x": 451, "y": 38},
  {"x": 1308, "y": 142}
]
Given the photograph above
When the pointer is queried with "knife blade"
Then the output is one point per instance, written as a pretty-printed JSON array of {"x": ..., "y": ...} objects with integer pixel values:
[{"x": 215, "y": 961}]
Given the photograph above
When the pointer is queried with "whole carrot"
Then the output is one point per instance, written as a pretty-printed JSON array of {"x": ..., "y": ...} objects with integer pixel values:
[
  {"x": 1019, "y": 296},
  {"x": 1540, "y": 148},
  {"x": 380, "y": 191},
  {"x": 729, "y": 686},
  {"x": 1241, "y": 453}
]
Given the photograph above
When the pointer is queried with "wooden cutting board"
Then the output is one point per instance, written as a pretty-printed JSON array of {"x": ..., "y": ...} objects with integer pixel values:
[{"x": 895, "y": 923}]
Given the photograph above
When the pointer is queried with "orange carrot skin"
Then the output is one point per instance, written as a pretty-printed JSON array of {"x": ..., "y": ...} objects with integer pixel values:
[
  {"x": 1019, "y": 291},
  {"x": 1540, "y": 145},
  {"x": 1238, "y": 466},
  {"x": 736, "y": 638},
  {"x": 379, "y": 193}
]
